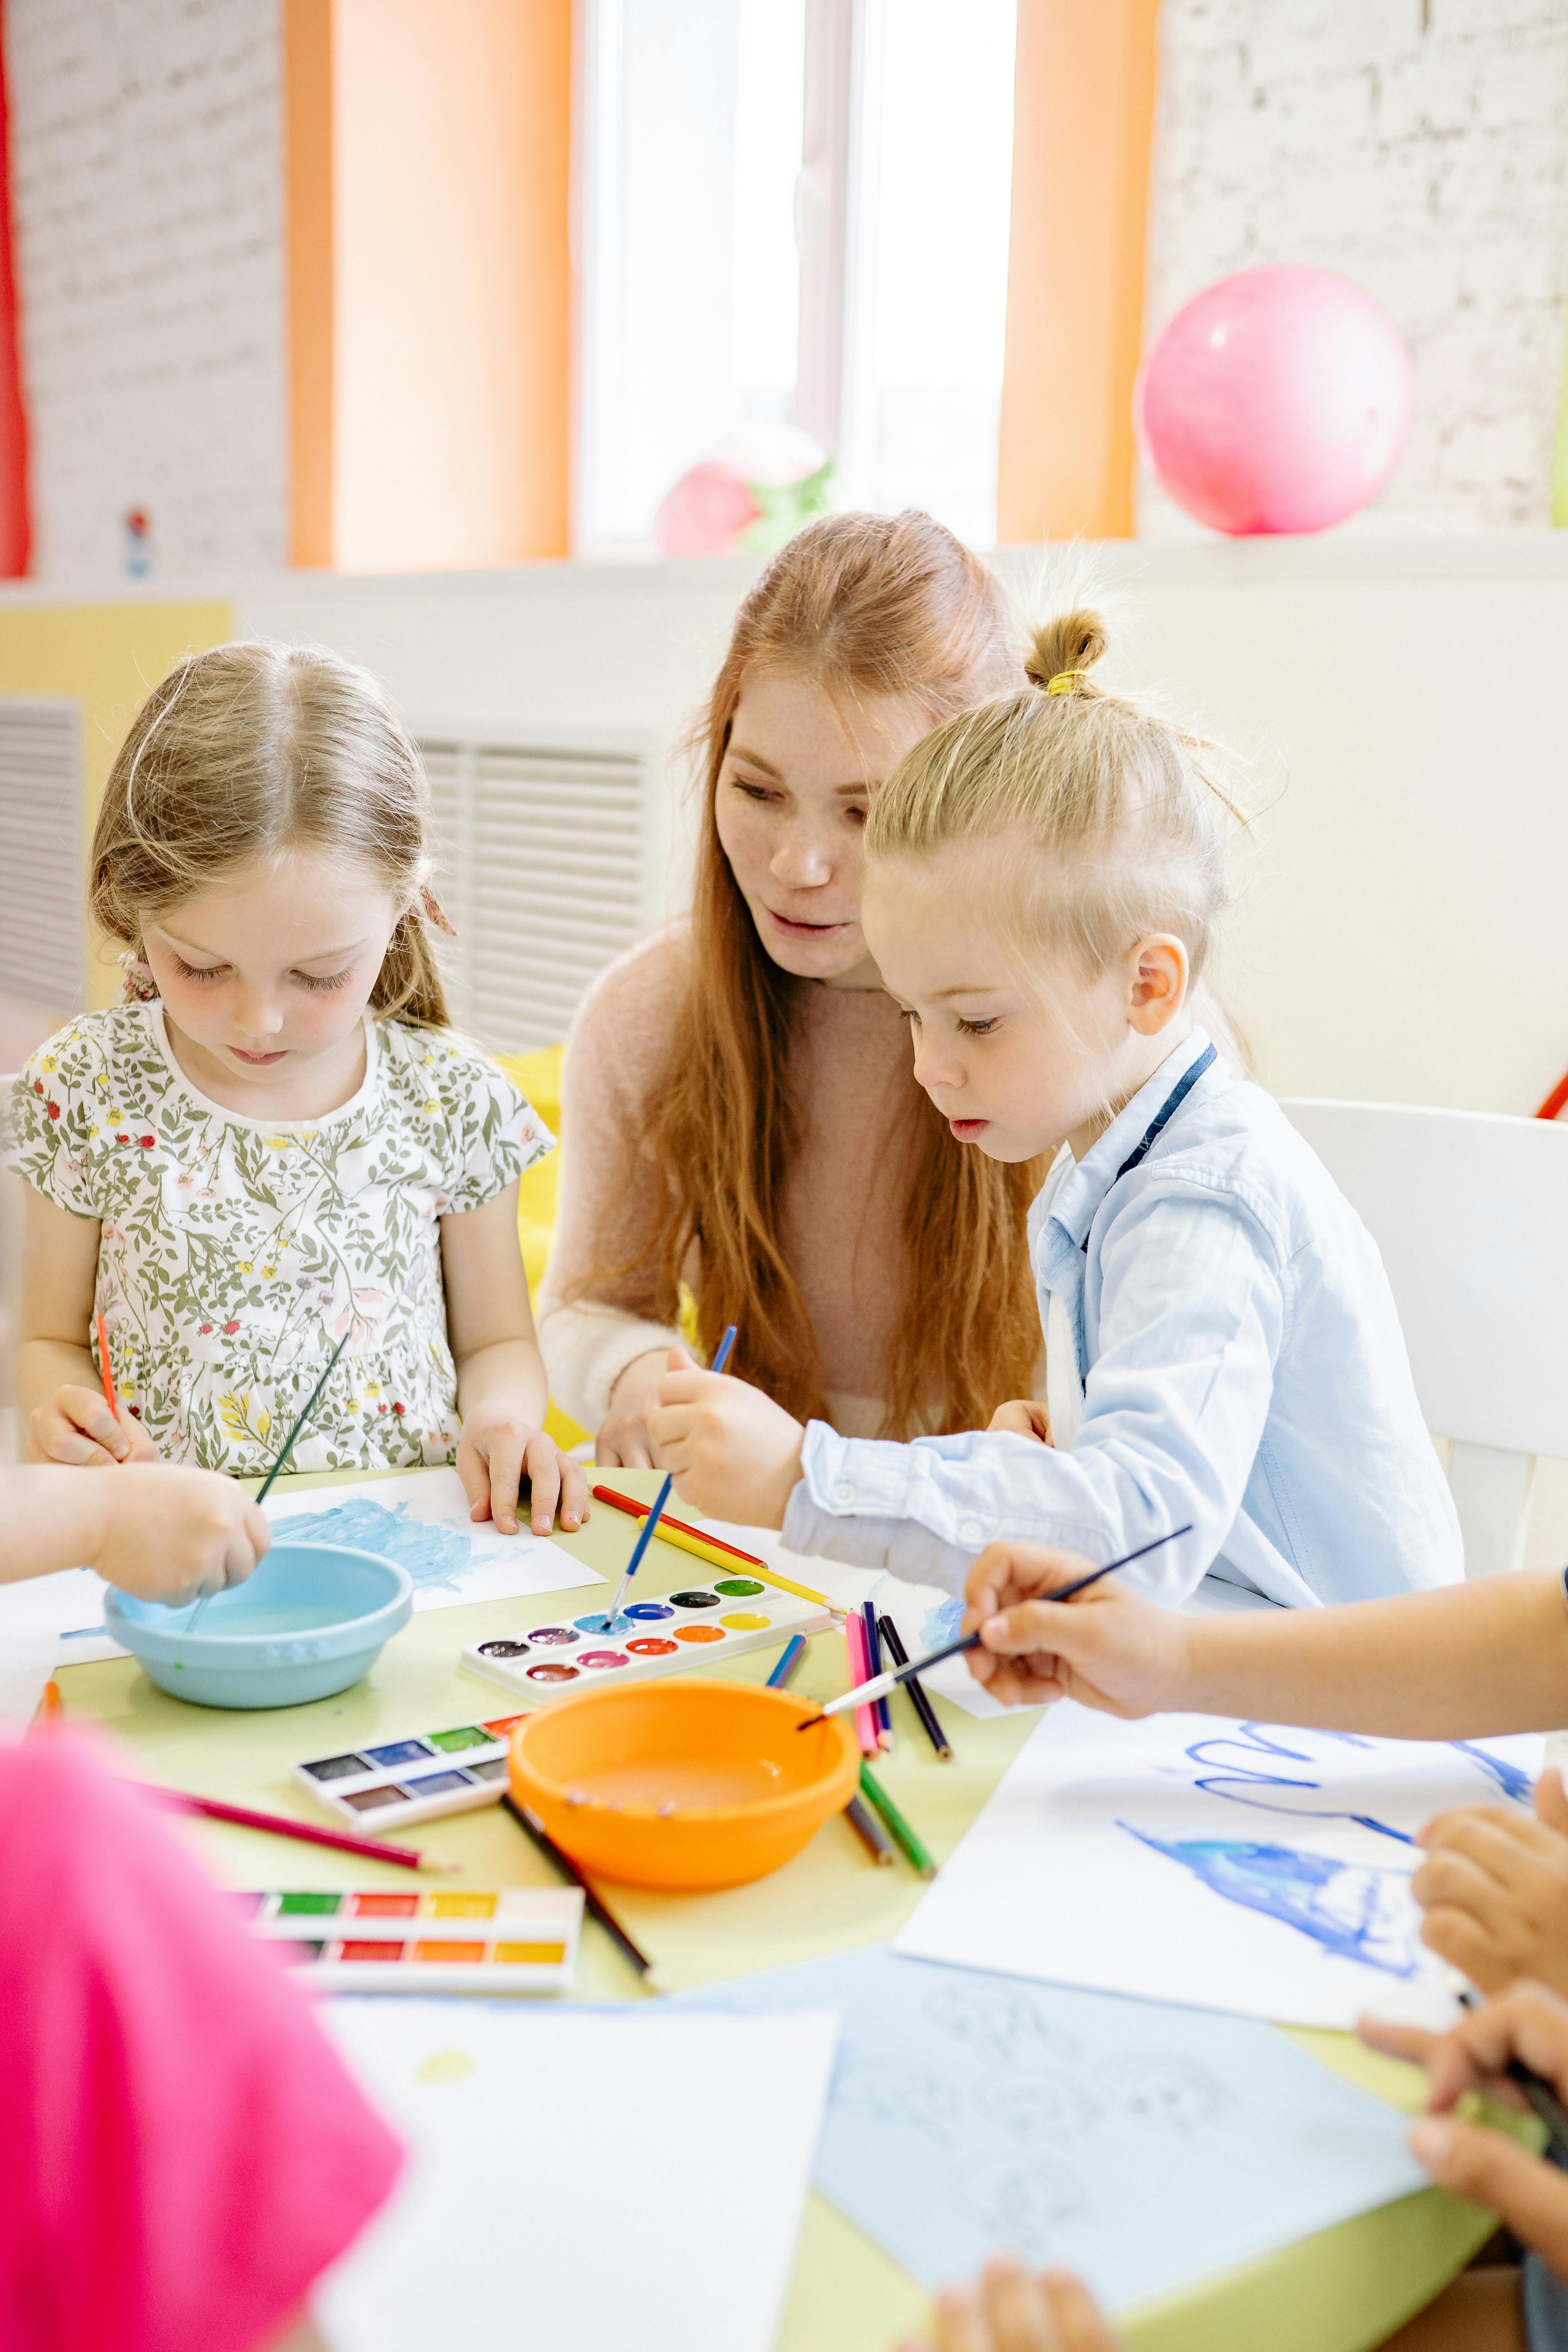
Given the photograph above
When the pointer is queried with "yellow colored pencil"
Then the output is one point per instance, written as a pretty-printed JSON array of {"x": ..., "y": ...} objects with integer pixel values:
[{"x": 717, "y": 1555}]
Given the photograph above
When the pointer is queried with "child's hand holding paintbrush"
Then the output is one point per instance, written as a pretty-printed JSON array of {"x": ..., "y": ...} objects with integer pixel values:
[{"x": 1111, "y": 1650}]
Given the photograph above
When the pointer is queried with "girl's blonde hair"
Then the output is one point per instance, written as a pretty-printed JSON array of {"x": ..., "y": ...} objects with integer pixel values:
[
  {"x": 248, "y": 750},
  {"x": 1131, "y": 812},
  {"x": 861, "y": 607}
]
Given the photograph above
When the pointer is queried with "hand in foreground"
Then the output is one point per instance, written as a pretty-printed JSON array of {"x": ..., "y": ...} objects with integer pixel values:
[
  {"x": 1494, "y": 1887},
  {"x": 623, "y": 1442},
  {"x": 175, "y": 1535},
  {"x": 497, "y": 1452},
  {"x": 1107, "y": 1649},
  {"x": 1526, "y": 2022},
  {"x": 1025, "y": 1417},
  {"x": 1009, "y": 2311},
  {"x": 734, "y": 1453},
  {"x": 76, "y": 1425}
]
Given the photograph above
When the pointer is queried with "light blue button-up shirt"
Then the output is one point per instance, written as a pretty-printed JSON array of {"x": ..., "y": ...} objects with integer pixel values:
[{"x": 1242, "y": 1369}]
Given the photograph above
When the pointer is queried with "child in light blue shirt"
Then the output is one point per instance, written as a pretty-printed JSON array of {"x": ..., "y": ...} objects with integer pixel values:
[{"x": 1044, "y": 878}]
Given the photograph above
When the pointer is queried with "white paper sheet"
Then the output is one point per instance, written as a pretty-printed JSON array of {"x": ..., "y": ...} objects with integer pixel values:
[
  {"x": 422, "y": 1522},
  {"x": 585, "y": 2179},
  {"x": 55, "y": 1620},
  {"x": 1227, "y": 1866}
]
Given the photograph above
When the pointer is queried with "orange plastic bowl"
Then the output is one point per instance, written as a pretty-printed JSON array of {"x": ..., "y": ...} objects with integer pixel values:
[{"x": 684, "y": 1783}]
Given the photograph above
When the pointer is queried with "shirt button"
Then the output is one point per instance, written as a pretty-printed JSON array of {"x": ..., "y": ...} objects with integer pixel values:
[
  {"x": 970, "y": 1532},
  {"x": 844, "y": 1492}
]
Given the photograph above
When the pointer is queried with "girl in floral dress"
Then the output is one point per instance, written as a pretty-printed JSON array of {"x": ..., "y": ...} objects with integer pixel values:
[{"x": 277, "y": 1140}]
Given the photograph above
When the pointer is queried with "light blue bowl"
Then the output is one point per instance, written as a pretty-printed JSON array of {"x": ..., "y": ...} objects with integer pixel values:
[{"x": 310, "y": 1620}]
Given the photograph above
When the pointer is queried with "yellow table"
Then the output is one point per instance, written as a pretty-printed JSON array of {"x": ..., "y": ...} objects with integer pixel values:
[{"x": 1338, "y": 2292}]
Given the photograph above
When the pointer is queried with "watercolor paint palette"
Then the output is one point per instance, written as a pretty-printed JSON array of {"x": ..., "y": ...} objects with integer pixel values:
[
  {"x": 455, "y": 1939},
  {"x": 701, "y": 1626},
  {"x": 397, "y": 1782}
]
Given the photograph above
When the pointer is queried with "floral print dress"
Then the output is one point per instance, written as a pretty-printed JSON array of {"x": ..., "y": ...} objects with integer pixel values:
[{"x": 234, "y": 1253}]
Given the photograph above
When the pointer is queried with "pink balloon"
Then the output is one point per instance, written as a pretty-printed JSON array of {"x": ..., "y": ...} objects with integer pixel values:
[
  {"x": 705, "y": 512},
  {"x": 1276, "y": 400}
]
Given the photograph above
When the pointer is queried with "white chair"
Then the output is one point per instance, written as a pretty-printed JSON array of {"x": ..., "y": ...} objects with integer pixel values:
[{"x": 1470, "y": 1213}]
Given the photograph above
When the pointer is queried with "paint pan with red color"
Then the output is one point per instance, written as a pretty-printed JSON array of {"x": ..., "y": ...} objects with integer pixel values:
[{"x": 451, "y": 1939}]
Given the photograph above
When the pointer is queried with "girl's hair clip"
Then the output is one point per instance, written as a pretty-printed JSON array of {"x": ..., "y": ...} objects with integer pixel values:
[
  {"x": 430, "y": 906},
  {"x": 137, "y": 985},
  {"x": 1066, "y": 681}
]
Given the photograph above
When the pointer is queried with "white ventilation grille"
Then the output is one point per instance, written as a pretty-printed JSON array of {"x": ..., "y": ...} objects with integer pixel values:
[
  {"x": 41, "y": 939},
  {"x": 539, "y": 857}
]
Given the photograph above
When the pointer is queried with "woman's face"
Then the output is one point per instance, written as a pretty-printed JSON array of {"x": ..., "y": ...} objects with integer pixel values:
[{"x": 793, "y": 793}]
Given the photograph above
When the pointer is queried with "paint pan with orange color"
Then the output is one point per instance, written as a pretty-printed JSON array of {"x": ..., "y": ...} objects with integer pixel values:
[
  {"x": 455, "y": 1939},
  {"x": 686, "y": 1784}
]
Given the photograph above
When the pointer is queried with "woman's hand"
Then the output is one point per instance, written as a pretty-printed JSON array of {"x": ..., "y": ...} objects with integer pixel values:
[
  {"x": 623, "y": 1442},
  {"x": 173, "y": 1534},
  {"x": 1009, "y": 2311},
  {"x": 1025, "y": 1417},
  {"x": 734, "y": 1453},
  {"x": 1494, "y": 1887},
  {"x": 498, "y": 1451},
  {"x": 1107, "y": 1649},
  {"x": 76, "y": 1425},
  {"x": 1526, "y": 2022}
]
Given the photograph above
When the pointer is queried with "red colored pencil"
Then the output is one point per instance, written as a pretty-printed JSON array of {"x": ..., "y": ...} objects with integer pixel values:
[
  {"x": 640, "y": 1511},
  {"x": 406, "y": 1856}
]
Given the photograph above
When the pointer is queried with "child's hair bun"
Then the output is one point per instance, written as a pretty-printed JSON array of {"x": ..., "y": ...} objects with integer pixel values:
[{"x": 1065, "y": 647}]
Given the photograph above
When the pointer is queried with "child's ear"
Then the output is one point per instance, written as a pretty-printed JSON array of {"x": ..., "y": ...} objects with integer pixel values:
[{"x": 1157, "y": 983}]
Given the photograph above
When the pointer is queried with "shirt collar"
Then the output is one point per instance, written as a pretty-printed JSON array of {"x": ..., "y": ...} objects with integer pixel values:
[{"x": 1086, "y": 1183}]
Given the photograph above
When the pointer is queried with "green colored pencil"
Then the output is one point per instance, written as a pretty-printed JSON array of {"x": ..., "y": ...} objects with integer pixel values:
[{"x": 900, "y": 1829}]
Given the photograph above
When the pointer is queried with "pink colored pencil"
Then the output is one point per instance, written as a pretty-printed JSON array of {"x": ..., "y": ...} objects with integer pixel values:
[
  {"x": 406, "y": 1856},
  {"x": 861, "y": 1671}
]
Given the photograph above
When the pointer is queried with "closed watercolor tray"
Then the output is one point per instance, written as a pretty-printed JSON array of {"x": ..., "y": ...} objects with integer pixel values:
[
  {"x": 702, "y": 1625},
  {"x": 397, "y": 1782},
  {"x": 454, "y": 1940}
]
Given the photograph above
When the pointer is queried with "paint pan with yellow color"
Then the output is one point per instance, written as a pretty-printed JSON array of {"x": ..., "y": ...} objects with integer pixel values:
[{"x": 688, "y": 1784}]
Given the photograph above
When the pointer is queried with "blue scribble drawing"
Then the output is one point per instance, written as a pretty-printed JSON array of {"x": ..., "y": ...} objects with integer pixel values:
[
  {"x": 1352, "y": 1912},
  {"x": 1242, "y": 1784},
  {"x": 1509, "y": 1777},
  {"x": 431, "y": 1553}
]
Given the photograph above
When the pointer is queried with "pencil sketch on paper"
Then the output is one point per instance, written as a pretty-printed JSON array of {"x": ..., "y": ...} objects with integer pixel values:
[
  {"x": 1353, "y": 1912},
  {"x": 1025, "y": 2206},
  {"x": 432, "y": 1552}
]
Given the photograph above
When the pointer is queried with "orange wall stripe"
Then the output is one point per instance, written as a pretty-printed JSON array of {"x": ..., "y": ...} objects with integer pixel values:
[
  {"x": 1084, "y": 119},
  {"x": 308, "y": 169}
]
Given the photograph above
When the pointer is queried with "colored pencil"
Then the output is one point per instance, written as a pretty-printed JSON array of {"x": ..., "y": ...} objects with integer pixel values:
[
  {"x": 873, "y": 1686},
  {"x": 900, "y": 1829},
  {"x": 874, "y": 1667},
  {"x": 869, "y": 1832},
  {"x": 1535, "y": 2088},
  {"x": 720, "y": 1358},
  {"x": 105, "y": 1369},
  {"x": 267, "y": 1485},
  {"x": 712, "y": 1549},
  {"x": 864, "y": 1715},
  {"x": 532, "y": 1827},
  {"x": 789, "y": 1658},
  {"x": 914, "y": 1691},
  {"x": 279, "y": 1825}
]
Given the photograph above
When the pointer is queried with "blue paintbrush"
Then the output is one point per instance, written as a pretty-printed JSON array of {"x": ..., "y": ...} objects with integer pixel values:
[{"x": 720, "y": 1358}]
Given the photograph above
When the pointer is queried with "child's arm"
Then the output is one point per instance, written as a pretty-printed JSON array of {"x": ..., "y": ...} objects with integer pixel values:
[
  {"x": 162, "y": 1533},
  {"x": 1464, "y": 1662},
  {"x": 58, "y": 1392},
  {"x": 502, "y": 1392}
]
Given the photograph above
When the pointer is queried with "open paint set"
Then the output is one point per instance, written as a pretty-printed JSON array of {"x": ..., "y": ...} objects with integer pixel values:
[
  {"x": 701, "y": 1626},
  {"x": 468, "y": 1939},
  {"x": 400, "y": 1781}
]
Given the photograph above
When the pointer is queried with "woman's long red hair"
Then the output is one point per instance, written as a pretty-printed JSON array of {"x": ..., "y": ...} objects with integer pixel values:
[{"x": 862, "y": 607}]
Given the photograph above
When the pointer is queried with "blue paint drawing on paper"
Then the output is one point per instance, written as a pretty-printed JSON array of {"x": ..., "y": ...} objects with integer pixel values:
[
  {"x": 940, "y": 1625},
  {"x": 431, "y": 1553},
  {"x": 970, "y": 2111},
  {"x": 1243, "y": 1783},
  {"x": 1514, "y": 1783},
  {"x": 1355, "y": 1913}
]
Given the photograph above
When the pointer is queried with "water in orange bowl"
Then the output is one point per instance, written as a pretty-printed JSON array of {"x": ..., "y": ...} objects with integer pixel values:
[{"x": 682, "y": 1783}]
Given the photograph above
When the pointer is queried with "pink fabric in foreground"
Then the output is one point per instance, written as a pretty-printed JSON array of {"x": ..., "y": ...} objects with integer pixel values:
[{"x": 182, "y": 2150}]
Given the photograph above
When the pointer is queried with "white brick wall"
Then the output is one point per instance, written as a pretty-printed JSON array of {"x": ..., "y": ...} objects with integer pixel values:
[
  {"x": 147, "y": 172},
  {"x": 1421, "y": 146}
]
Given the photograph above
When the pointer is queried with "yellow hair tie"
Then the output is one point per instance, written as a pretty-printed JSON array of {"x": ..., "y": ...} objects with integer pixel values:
[{"x": 1066, "y": 681}]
